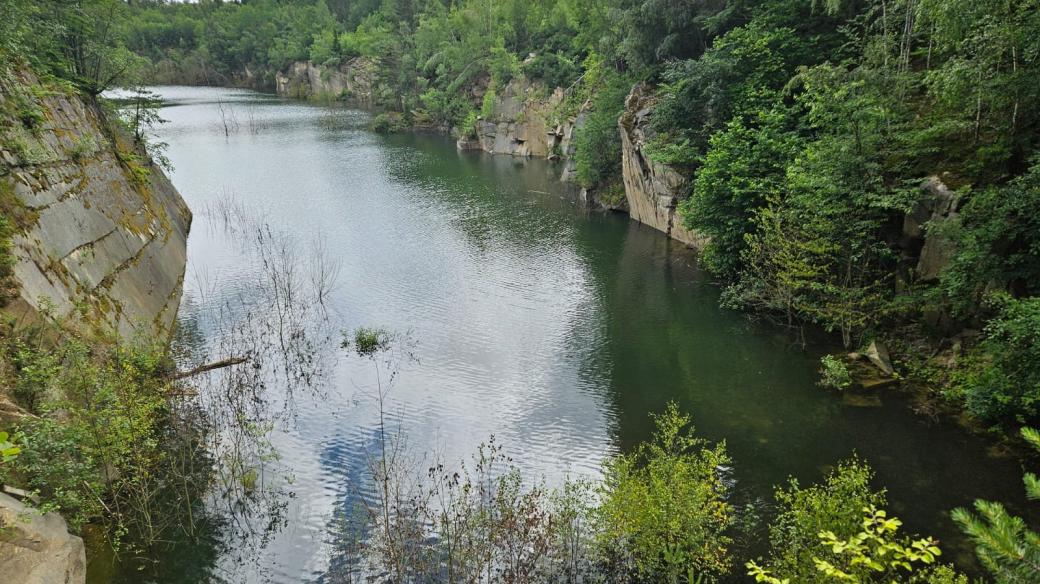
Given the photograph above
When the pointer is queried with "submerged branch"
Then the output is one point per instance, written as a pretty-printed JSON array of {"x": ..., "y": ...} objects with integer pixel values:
[{"x": 230, "y": 361}]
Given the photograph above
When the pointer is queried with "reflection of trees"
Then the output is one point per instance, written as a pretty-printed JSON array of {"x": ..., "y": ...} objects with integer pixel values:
[{"x": 277, "y": 324}]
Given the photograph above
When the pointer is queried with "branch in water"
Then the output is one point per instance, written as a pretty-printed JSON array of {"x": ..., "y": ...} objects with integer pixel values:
[{"x": 210, "y": 367}]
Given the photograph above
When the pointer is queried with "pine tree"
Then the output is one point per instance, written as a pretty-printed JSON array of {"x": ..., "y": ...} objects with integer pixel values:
[{"x": 1006, "y": 547}]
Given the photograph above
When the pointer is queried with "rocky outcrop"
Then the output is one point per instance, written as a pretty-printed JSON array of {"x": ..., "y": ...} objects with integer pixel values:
[
  {"x": 519, "y": 123},
  {"x": 101, "y": 232},
  {"x": 38, "y": 549},
  {"x": 922, "y": 238},
  {"x": 653, "y": 190},
  {"x": 522, "y": 124},
  {"x": 352, "y": 81}
]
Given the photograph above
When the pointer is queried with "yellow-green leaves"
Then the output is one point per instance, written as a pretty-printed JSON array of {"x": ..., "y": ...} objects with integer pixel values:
[{"x": 8, "y": 450}]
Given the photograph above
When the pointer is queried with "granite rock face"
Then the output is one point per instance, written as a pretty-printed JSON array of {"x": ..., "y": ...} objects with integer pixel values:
[
  {"x": 101, "y": 231},
  {"x": 38, "y": 549},
  {"x": 920, "y": 229},
  {"x": 522, "y": 124},
  {"x": 351, "y": 81},
  {"x": 653, "y": 190}
]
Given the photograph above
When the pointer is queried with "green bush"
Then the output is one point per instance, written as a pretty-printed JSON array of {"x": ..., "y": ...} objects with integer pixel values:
[
  {"x": 745, "y": 162},
  {"x": 388, "y": 123},
  {"x": 97, "y": 443},
  {"x": 1004, "y": 383},
  {"x": 834, "y": 373},
  {"x": 803, "y": 512},
  {"x": 997, "y": 238},
  {"x": 665, "y": 503},
  {"x": 597, "y": 153}
]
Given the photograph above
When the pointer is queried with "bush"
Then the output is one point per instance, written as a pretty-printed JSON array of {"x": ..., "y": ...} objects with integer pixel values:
[
  {"x": 597, "y": 153},
  {"x": 834, "y": 374},
  {"x": 97, "y": 444},
  {"x": 665, "y": 503},
  {"x": 803, "y": 512},
  {"x": 997, "y": 239},
  {"x": 388, "y": 123},
  {"x": 1004, "y": 383}
]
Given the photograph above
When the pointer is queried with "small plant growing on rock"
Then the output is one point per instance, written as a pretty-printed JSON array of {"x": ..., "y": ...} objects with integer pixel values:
[{"x": 834, "y": 373}]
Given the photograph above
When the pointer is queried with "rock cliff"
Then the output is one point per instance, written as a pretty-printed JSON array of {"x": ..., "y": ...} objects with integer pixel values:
[
  {"x": 101, "y": 232},
  {"x": 522, "y": 124},
  {"x": 351, "y": 81},
  {"x": 653, "y": 190}
]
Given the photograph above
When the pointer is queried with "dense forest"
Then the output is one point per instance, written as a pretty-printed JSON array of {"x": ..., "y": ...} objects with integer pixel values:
[{"x": 806, "y": 129}]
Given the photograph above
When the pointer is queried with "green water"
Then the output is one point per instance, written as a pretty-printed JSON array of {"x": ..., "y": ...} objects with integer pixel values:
[{"x": 556, "y": 329}]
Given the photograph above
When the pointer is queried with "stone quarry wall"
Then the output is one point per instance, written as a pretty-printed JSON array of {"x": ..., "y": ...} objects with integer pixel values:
[
  {"x": 351, "y": 81},
  {"x": 653, "y": 190},
  {"x": 101, "y": 231},
  {"x": 519, "y": 123},
  {"x": 522, "y": 124}
]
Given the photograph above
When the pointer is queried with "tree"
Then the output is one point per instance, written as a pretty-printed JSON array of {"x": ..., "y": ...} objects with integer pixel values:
[
  {"x": 1004, "y": 383},
  {"x": 744, "y": 166},
  {"x": 665, "y": 503},
  {"x": 1006, "y": 547},
  {"x": 835, "y": 505}
]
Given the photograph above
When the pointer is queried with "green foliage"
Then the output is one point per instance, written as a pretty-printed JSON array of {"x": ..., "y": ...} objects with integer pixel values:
[
  {"x": 834, "y": 373},
  {"x": 665, "y": 503},
  {"x": 997, "y": 241},
  {"x": 874, "y": 554},
  {"x": 9, "y": 449},
  {"x": 1007, "y": 548},
  {"x": 598, "y": 147},
  {"x": 1005, "y": 382},
  {"x": 743, "y": 166},
  {"x": 803, "y": 512},
  {"x": 7, "y": 261},
  {"x": 388, "y": 123},
  {"x": 740, "y": 75},
  {"x": 367, "y": 342},
  {"x": 96, "y": 444}
]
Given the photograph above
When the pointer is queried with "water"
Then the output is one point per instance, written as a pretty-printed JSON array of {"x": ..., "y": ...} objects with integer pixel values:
[{"x": 555, "y": 329}]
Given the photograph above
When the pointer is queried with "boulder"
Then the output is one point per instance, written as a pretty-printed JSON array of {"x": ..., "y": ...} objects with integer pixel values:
[
  {"x": 921, "y": 238},
  {"x": 38, "y": 549},
  {"x": 877, "y": 353}
]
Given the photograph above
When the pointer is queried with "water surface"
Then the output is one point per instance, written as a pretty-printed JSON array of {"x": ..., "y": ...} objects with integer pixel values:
[{"x": 555, "y": 329}]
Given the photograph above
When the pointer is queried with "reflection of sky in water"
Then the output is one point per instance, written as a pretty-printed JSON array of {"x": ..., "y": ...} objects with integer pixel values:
[
  {"x": 554, "y": 329},
  {"x": 499, "y": 307}
]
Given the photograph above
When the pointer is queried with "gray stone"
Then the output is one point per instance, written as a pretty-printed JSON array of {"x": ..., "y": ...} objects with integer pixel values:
[
  {"x": 38, "y": 549},
  {"x": 105, "y": 248},
  {"x": 352, "y": 80},
  {"x": 653, "y": 190},
  {"x": 921, "y": 229},
  {"x": 877, "y": 353}
]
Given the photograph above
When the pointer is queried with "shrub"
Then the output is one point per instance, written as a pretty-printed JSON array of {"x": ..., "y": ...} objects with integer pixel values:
[
  {"x": 597, "y": 154},
  {"x": 834, "y": 374},
  {"x": 1005, "y": 382},
  {"x": 97, "y": 444},
  {"x": 665, "y": 503},
  {"x": 387, "y": 123},
  {"x": 803, "y": 512}
]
